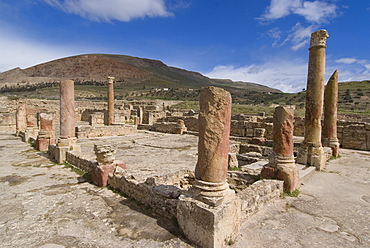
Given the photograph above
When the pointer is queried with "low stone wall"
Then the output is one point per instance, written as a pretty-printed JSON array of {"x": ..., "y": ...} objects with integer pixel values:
[
  {"x": 78, "y": 161},
  {"x": 257, "y": 195},
  {"x": 87, "y": 131}
]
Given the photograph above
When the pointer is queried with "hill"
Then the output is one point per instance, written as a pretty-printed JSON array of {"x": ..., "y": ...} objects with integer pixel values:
[{"x": 128, "y": 71}]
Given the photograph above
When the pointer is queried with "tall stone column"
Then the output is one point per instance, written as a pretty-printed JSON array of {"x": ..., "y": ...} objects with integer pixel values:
[
  {"x": 46, "y": 135},
  {"x": 67, "y": 138},
  {"x": 110, "y": 100},
  {"x": 311, "y": 152},
  {"x": 21, "y": 118},
  {"x": 329, "y": 131},
  {"x": 211, "y": 216},
  {"x": 283, "y": 156},
  {"x": 67, "y": 110}
]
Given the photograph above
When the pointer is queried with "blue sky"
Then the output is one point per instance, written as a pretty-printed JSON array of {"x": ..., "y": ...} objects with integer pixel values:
[{"x": 261, "y": 41}]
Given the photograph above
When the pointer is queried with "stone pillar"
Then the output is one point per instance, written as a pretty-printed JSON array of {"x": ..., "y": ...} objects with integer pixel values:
[
  {"x": 180, "y": 128},
  {"x": 329, "y": 131},
  {"x": 282, "y": 164},
  {"x": 105, "y": 156},
  {"x": 210, "y": 217},
  {"x": 110, "y": 100},
  {"x": 311, "y": 152},
  {"x": 46, "y": 135},
  {"x": 67, "y": 140},
  {"x": 21, "y": 118}
]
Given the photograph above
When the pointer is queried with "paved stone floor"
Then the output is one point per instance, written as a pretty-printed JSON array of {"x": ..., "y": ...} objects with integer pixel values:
[{"x": 46, "y": 205}]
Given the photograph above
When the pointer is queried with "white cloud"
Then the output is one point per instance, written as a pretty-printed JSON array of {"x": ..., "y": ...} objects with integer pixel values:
[
  {"x": 354, "y": 69},
  {"x": 314, "y": 12},
  {"x": 108, "y": 10},
  {"x": 18, "y": 51},
  {"x": 287, "y": 76}
]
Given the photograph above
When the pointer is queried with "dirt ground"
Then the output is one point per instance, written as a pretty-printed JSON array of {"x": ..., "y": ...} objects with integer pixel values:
[{"x": 43, "y": 204}]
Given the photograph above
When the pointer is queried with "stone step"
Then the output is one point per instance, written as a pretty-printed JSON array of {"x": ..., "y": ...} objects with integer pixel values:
[{"x": 305, "y": 172}]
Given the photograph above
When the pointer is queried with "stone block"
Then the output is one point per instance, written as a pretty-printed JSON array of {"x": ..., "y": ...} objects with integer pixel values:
[{"x": 206, "y": 226}]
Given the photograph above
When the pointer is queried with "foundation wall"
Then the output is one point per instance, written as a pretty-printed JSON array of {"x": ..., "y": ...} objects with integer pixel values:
[{"x": 86, "y": 131}]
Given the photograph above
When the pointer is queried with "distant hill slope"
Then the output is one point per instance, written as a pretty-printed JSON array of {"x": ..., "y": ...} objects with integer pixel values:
[{"x": 126, "y": 70}]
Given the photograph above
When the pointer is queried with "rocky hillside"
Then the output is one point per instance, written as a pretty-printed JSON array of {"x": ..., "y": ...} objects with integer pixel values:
[{"x": 127, "y": 71}]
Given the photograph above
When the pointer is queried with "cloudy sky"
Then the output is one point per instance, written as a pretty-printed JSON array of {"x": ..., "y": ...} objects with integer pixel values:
[{"x": 261, "y": 41}]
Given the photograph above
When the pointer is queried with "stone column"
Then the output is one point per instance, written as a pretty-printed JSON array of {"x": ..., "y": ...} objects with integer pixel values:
[
  {"x": 329, "y": 131},
  {"x": 46, "y": 135},
  {"x": 211, "y": 216},
  {"x": 67, "y": 110},
  {"x": 110, "y": 100},
  {"x": 282, "y": 159},
  {"x": 67, "y": 140},
  {"x": 311, "y": 152},
  {"x": 21, "y": 118},
  {"x": 213, "y": 146}
]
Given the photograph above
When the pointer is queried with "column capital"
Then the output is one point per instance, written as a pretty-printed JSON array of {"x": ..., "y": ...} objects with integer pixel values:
[
  {"x": 110, "y": 80},
  {"x": 319, "y": 38}
]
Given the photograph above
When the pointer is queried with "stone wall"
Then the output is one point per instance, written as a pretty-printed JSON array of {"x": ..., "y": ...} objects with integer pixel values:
[
  {"x": 75, "y": 159},
  {"x": 87, "y": 131},
  {"x": 354, "y": 136}
]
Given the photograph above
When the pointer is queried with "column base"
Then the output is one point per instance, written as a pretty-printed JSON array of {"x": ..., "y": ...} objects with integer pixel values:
[
  {"x": 207, "y": 226},
  {"x": 64, "y": 145},
  {"x": 333, "y": 143},
  {"x": 44, "y": 139},
  {"x": 312, "y": 156},
  {"x": 213, "y": 194},
  {"x": 288, "y": 172}
]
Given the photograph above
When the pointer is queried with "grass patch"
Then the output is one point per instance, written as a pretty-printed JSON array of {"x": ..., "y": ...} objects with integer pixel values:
[
  {"x": 333, "y": 157},
  {"x": 295, "y": 193}
]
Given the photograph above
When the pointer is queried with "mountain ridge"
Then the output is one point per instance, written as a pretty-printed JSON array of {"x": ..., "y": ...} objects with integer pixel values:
[{"x": 126, "y": 69}]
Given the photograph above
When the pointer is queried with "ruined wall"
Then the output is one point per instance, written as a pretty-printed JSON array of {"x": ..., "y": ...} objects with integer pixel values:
[{"x": 87, "y": 131}]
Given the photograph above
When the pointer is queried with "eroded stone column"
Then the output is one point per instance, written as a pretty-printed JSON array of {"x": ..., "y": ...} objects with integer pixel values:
[
  {"x": 21, "y": 118},
  {"x": 46, "y": 135},
  {"x": 211, "y": 216},
  {"x": 311, "y": 152},
  {"x": 282, "y": 158},
  {"x": 214, "y": 133},
  {"x": 329, "y": 131},
  {"x": 110, "y": 100}
]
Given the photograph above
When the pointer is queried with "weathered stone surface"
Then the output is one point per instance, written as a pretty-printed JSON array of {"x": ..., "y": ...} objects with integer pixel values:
[
  {"x": 283, "y": 132},
  {"x": 67, "y": 109},
  {"x": 233, "y": 161},
  {"x": 105, "y": 154},
  {"x": 214, "y": 131}
]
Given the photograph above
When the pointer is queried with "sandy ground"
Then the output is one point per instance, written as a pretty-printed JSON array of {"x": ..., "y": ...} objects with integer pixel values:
[{"x": 46, "y": 205}]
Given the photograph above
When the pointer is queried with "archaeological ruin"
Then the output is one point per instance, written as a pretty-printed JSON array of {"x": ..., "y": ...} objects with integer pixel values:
[{"x": 216, "y": 170}]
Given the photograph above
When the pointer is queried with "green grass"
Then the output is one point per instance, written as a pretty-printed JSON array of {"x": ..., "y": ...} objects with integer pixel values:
[{"x": 295, "y": 193}]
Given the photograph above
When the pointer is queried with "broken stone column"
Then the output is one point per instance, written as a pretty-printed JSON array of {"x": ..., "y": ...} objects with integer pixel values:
[
  {"x": 21, "y": 118},
  {"x": 110, "y": 100},
  {"x": 329, "y": 131},
  {"x": 180, "y": 127},
  {"x": 311, "y": 152},
  {"x": 31, "y": 132},
  {"x": 282, "y": 164},
  {"x": 105, "y": 156},
  {"x": 67, "y": 140},
  {"x": 210, "y": 216},
  {"x": 46, "y": 135}
]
